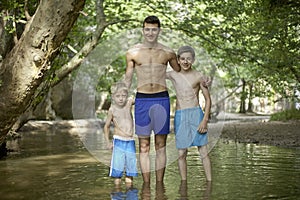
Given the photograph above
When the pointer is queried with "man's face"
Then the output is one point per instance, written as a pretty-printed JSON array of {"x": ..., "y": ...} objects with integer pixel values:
[{"x": 151, "y": 32}]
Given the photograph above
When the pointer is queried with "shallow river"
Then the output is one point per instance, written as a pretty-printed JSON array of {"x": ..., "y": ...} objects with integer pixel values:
[{"x": 56, "y": 165}]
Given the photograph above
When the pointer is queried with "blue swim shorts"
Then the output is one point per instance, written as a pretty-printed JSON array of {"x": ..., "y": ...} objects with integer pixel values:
[
  {"x": 123, "y": 158},
  {"x": 152, "y": 113},
  {"x": 186, "y": 123}
]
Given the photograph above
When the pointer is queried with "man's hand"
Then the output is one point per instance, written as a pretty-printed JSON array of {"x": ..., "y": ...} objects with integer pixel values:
[{"x": 206, "y": 81}]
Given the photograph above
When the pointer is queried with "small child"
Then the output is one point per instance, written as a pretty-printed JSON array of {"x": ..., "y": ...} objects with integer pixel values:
[
  {"x": 123, "y": 143},
  {"x": 190, "y": 123}
]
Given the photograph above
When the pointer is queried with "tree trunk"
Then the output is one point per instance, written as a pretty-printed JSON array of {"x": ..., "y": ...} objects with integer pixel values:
[
  {"x": 243, "y": 97},
  {"x": 72, "y": 65},
  {"x": 250, "y": 104},
  {"x": 24, "y": 67}
]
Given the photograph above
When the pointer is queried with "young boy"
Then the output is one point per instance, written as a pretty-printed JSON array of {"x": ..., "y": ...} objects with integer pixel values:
[
  {"x": 190, "y": 123},
  {"x": 123, "y": 144}
]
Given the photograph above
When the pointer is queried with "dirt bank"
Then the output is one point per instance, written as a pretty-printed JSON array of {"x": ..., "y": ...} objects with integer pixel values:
[{"x": 285, "y": 134}]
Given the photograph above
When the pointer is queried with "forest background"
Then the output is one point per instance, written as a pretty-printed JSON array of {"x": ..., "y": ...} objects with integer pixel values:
[{"x": 253, "y": 48}]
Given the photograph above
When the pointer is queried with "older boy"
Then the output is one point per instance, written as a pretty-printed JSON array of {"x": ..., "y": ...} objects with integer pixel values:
[{"x": 190, "y": 123}]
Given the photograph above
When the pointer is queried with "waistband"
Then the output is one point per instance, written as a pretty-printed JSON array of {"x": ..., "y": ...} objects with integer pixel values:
[
  {"x": 153, "y": 95},
  {"x": 189, "y": 109},
  {"x": 123, "y": 138}
]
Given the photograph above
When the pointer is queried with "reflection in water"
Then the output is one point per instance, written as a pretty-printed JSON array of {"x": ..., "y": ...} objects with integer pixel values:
[
  {"x": 130, "y": 193},
  {"x": 56, "y": 165},
  {"x": 183, "y": 190}
]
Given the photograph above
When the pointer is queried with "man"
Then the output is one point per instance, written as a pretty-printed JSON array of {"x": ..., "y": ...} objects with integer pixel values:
[{"x": 152, "y": 105}]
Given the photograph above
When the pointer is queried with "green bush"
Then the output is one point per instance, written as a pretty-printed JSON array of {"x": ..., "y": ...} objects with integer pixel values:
[{"x": 286, "y": 115}]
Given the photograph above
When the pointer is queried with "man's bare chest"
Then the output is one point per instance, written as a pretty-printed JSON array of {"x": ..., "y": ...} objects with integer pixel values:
[{"x": 150, "y": 56}]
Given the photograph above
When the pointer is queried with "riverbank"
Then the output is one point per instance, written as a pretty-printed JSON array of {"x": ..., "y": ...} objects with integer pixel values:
[
  {"x": 283, "y": 134},
  {"x": 239, "y": 128}
]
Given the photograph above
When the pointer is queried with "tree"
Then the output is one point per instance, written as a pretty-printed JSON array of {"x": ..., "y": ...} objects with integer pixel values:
[
  {"x": 259, "y": 38},
  {"x": 27, "y": 63}
]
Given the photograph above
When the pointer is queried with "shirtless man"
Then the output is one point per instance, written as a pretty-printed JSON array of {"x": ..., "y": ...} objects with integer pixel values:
[
  {"x": 152, "y": 104},
  {"x": 123, "y": 144},
  {"x": 190, "y": 123}
]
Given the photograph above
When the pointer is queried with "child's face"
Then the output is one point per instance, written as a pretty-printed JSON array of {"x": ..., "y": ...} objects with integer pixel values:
[
  {"x": 186, "y": 60},
  {"x": 120, "y": 97}
]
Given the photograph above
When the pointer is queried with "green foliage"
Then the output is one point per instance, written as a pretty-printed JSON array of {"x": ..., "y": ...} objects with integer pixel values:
[
  {"x": 286, "y": 115},
  {"x": 254, "y": 40}
]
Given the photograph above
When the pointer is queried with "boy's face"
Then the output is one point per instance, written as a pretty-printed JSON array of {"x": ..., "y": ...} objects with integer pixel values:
[
  {"x": 151, "y": 32},
  {"x": 120, "y": 98},
  {"x": 186, "y": 60}
]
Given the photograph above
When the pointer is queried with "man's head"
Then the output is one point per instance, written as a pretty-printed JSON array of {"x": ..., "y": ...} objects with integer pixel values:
[
  {"x": 151, "y": 29},
  {"x": 151, "y": 20}
]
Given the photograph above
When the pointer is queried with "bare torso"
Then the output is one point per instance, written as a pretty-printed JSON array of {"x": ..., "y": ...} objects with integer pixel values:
[
  {"x": 187, "y": 86},
  {"x": 123, "y": 122},
  {"x": 150, "y": 65}
]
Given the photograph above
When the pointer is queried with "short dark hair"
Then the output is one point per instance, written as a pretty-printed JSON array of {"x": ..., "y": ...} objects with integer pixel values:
[
  {"x": 185, "y": 49},
  {"x": 151, "y": 20}
]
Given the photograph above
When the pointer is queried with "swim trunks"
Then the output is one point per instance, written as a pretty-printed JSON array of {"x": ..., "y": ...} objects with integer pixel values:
[
  {"x": 152, "y": 113},
  {"x": 123, "y": 158},
  {"x": 186, "y": 123}
]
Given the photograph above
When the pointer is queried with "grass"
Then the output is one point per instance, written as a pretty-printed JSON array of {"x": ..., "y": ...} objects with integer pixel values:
[{"x": 286, "y": 115}]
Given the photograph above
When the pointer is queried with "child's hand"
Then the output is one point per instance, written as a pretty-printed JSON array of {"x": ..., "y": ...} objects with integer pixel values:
[
  {"x": 202, "y": 128},
  {"x": 109, "y": 146}
]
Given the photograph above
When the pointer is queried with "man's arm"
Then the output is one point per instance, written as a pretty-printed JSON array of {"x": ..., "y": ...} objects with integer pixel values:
[
  {"x": 129, "y": 70},
  {"x": 205, "y": 81},
  {"x": 173, "y": 62}
]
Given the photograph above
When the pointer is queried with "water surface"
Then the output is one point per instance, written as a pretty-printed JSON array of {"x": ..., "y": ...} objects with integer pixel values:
[{"x": 56, "y": 165}]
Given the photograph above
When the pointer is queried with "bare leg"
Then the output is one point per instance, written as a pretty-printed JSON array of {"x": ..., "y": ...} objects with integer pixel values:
[
  {"x": 144, "y": 148},
  {"x": 182, "y": 163},
  {"x": 206, "y": 161},
  {"x": 160, "y": 161}
]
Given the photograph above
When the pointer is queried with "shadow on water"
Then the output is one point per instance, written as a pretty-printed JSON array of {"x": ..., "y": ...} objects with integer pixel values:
[{"x": 56, "y": 165}]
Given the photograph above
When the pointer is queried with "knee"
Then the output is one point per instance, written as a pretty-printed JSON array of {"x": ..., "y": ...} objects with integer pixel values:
[
  {"x": 144, "y": 148},
  {"x": 159, "y": 145},
  {"x": 203, "y": 152},
  {"x": 160, "y": 141},
  {"x": 182, "y": 155}
]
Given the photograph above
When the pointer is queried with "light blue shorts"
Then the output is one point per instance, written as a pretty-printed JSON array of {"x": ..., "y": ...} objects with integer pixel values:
[
  {"x": 123, "y": 158},
  {"x": 186, "y": 123}
]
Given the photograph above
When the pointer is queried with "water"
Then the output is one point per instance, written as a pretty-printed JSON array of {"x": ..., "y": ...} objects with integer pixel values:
[{"x": 56, "y": 165}]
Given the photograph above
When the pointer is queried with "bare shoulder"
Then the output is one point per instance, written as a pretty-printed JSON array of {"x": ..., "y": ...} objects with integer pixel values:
[
  {"x": 134, "y": 48},
  {"x": 197, "y": 73},
  {"x": 166, "y": 48}
]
